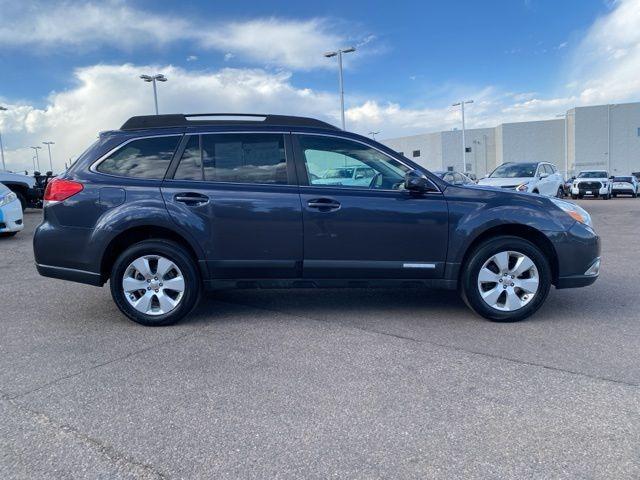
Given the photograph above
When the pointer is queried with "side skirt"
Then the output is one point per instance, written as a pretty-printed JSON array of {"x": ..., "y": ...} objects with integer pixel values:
[{"x": 269, "y": 283}]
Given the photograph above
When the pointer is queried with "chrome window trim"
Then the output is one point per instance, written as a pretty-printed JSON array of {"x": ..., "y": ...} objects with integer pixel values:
[
  {"x": 293, "y": 132},
  {"x": 94, "y": 166}
]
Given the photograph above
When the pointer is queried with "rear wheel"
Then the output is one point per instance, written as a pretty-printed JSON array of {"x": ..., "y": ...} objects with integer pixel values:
[
  {"x": 506, "y": 279},
  {"x": 560, "y": 192},
  {"x": 155, "y": 283}
]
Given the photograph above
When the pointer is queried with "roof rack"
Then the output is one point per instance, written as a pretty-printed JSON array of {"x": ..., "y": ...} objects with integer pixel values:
[{"x": 184, "y": 120}]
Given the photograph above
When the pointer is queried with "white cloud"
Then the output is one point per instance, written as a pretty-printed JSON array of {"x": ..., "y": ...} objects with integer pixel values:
[
  {"x": 192, "y": 58},
  {"x": 85, "y": 25}
]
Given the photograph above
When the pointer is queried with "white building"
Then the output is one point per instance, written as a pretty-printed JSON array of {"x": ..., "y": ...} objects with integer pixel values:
[{"x": 604, "y": 136}]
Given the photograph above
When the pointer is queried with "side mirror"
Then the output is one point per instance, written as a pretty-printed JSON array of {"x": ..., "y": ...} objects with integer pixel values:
[
  {"x": 611, "y": 177},
  {"x": 543, "y": 175},
  {"x": 415, "y": 183}
]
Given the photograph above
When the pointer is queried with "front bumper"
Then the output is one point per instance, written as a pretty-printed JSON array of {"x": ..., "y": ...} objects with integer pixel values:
[
  {"x": 11, "y": 217},
  {"x": 583, "y": 190},
  {"x": 578, "y": 252}
]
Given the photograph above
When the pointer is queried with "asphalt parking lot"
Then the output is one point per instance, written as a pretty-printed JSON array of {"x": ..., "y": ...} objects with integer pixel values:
[{"x": 323, "y": 383}]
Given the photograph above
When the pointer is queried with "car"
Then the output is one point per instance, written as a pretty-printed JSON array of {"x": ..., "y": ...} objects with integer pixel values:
[
  {"x": 24, "y": 187},
  {"x": 595, "y": 183},
  {"x": 566, "y": 186},
  {"x": 168, "y": 206},
  {"x": 533, "y": 177},
  {"x": 11, "y": 221},
  {"x": 453, "y": 177},
  {"x": 625, "y": 186}
]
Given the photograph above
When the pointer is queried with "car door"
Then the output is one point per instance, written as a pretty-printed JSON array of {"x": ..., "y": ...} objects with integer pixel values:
[
  {"x": 373, "y": 231},
  {"x": 238, "y": 194},
  {"x": 543, "y": 179}
]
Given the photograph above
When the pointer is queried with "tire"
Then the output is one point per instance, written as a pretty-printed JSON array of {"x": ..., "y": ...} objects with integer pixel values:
[
  {"x": 574, "y": 197},
  {"x": 615, "y": 195},
  {"x": 8, "y": 234},
  {"x": 179, "y": 303},
  {"x": 580, "y": 196},
  {"x": 560, "y": 192},
  {"x": 470, "y": 286}
]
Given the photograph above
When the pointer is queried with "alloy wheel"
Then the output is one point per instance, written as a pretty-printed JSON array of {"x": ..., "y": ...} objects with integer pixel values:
[
  {"x": 508, "y": 281},
  {"x": 153, "y": 285}
]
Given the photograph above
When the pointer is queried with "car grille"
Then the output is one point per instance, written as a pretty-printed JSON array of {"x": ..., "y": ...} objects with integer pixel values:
[{"x": 590, "y": 185}]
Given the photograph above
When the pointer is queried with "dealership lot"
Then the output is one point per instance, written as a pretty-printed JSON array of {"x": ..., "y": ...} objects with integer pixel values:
[{"x": 323, "y": 383}]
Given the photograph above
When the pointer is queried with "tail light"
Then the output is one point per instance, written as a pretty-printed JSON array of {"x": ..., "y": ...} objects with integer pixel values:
[{"x": 59, "y": 190}]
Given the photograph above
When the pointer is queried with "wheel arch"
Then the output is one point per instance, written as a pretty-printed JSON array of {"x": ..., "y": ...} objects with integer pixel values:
[
  {"x": 524, "y": 232},
  {"x": 138, "y": 233}
]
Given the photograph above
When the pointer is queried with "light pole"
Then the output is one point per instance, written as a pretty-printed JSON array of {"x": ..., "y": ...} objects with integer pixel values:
[
  {"x": 153, "y": 79},
  {"x": 373, "y": 134},
  {"x": 339, "y": 53},
  {"x": 4, "y": 167},
  {"x": 461, "y": 104},
  {"x": 48, "y": 144},
  {"x": 35, "y": 149}
]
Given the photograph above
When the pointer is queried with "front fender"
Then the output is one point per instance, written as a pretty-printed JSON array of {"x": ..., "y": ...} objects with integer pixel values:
[{"x": 473, "y": 211}]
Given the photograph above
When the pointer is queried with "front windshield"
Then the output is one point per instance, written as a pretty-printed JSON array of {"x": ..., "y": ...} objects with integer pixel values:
[
  {"x": 515, "y": 170},
  {"x": 593, "y": 175}
]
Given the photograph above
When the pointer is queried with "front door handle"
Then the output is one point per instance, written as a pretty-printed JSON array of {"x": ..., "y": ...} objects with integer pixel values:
[
  {"x": 324, "y": 204},
  {"x": 191, "y": 199}
]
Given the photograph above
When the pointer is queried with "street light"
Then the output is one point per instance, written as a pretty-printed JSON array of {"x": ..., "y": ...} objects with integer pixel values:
[
  {"x": 48, "y": 144},
  {"x": 2, "y": 109},
  {"x": 339, "y": 53},
  {"x": 373, "y": 134},
  {"x": 35, "y": 149},
  {"x": 153, "y": 79},
  {"x": 461, "y": 104}
]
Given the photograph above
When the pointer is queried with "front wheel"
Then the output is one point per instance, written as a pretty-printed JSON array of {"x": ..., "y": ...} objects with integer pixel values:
[
  {"x": 506, "y": 279},
  {"x": 155, "y": 282},
  {"x": 560, "y": 192}
]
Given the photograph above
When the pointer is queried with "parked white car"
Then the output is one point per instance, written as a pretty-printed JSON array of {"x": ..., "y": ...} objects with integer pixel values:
[
  {"x": 594, "y": 183},
  {"x": 11, "y": 221},
  {"x": 532, "y": 177},
  {"x": 627, "y": 185}
]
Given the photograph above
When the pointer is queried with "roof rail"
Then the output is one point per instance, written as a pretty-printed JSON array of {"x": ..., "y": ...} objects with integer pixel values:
[{"x": 184, "y": 120}]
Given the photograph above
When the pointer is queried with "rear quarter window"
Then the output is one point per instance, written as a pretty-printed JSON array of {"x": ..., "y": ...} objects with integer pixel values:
[{"x": 143, "y": 158}]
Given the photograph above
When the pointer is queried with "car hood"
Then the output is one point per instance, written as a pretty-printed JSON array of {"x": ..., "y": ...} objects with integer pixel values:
[
  {"x": 7, "y": 177},
  {"x": 504, "y": 182}
]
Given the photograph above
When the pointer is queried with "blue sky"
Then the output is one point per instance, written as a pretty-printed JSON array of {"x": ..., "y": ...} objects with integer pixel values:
[
  {"x": 415, "y": 49},
  {"x": 69, "y": 68}
]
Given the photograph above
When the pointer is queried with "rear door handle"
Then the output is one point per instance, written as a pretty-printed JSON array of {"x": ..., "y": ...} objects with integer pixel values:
[
  {"x": 191, "y": 199},
  {"x": 324, "y": 204}
]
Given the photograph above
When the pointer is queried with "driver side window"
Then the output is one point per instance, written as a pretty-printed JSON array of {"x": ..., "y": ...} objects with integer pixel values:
[{"x": 337, "y": 162}]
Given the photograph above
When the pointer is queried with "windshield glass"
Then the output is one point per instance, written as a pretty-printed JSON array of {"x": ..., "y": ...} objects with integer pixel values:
[
  {"x": 593, "y": 175},
  {"x": 515, "y": 170},
  {"x": 623, "y": 179}
]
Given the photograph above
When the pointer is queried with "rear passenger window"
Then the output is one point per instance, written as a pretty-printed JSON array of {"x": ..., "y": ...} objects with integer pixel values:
[
  {"x": 237, "y": 158},
  {"x": 144, "y": 158}
]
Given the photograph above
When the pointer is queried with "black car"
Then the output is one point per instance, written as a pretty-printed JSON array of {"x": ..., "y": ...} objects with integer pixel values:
[{"x": 170, "y": 205}]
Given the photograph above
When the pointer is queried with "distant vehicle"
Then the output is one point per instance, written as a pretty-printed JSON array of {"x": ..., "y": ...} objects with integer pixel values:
[
  {"x": 625, "y": 186},
  {"x": 11, "y": 221},
  {"x": 471, "y": 176},
  {"x": 637, "y": 175},
  {"x": 532, "y": 177},
  {"x": 567, "y": 184},
  {"x": 594, "y": 183},
  {"x": 455, "y": 178},
  {"x": 24, "y": 187}
]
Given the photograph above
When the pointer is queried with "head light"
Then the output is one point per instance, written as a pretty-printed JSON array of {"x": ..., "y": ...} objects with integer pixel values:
[
  {"x": 574, "y": 211},
  {"x": 7, "y": 199},
  {"x": 523, "y": 187}
]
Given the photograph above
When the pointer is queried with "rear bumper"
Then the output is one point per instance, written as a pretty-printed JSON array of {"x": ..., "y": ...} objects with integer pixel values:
[
  {"x": 576, "y": 281},
  {"x": 71, "y": 274}
]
